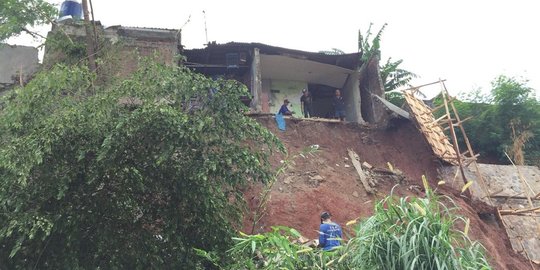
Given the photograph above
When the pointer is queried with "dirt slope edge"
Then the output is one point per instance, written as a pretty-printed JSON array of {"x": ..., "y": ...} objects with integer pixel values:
[{"x": 328, "y": 181}]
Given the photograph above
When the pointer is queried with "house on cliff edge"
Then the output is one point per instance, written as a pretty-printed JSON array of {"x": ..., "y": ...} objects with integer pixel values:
[{"x": 273, "y": 74}]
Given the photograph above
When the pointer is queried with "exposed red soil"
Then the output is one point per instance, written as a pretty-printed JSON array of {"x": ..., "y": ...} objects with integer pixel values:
[{"x": 327, "y": 181}]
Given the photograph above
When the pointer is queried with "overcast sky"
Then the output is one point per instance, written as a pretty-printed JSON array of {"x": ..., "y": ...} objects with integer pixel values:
[{"x": 468, "y": 43}]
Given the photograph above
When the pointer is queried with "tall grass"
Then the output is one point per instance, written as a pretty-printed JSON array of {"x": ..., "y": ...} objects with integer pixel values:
[
  {"x": 403, "y": 233},
  {"x": 414, "y": 233}
]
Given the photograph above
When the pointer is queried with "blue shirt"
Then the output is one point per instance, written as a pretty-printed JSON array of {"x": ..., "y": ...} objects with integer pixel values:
[
  {"x": 284, "y": 110},
  {"x": 329, "y": 235}
]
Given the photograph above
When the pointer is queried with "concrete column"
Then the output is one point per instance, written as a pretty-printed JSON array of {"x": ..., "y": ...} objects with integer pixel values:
[
  {"x": 351, "y": 93},
  {"x": 256, "y": 81}
]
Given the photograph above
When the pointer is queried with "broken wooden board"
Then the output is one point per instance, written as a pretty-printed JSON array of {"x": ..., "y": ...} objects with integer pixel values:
[
  {"x": 363, "y": 178},
  {"x": 430, "y": 127},
  {"x": 399, "y": 111},
  {"x": 313, "y": 119}
]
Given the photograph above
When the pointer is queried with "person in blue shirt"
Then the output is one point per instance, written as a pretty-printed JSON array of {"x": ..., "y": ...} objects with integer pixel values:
[
  {"x": 329, "y": 233},
  {"x": 284, "y": 110}
]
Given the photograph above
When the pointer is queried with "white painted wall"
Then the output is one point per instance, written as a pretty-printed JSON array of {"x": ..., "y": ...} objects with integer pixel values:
[{"x": 291, "y": 90}]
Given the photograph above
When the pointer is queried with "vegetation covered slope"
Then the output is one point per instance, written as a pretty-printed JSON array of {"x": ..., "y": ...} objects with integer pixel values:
[{"x": 133, "y": 175}]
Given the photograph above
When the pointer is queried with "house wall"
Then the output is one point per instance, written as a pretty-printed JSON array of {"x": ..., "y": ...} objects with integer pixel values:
[
  {"x": 351, "y": 94},
  {"x": 291, "y": 90},
  {"x": 13, "y": 60},
  {"x": 132, "y": 49},
  {"x": 125, "y": 44},
  {"x": 266, "y": 96}
]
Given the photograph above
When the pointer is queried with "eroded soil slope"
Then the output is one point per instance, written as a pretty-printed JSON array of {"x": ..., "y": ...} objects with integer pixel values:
[{"x": 328, "y": 181}]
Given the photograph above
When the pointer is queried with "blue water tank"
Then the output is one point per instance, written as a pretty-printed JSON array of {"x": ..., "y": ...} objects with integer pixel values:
[{"x": 71, "y": 8}]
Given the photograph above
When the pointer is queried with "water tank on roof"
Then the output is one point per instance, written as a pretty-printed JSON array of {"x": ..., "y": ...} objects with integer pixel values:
[{"x": 70, "y": 9}]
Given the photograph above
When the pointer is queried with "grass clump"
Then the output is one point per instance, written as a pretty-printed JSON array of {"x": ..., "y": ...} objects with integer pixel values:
[{"x": 403, "y": 233}]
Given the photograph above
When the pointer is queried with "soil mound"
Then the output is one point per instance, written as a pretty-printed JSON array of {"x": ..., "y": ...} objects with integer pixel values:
[{"x": 328, "y": 181}]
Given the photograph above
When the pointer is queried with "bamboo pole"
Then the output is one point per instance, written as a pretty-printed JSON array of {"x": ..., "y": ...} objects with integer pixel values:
[
  {"x": 469, "y": 147},
  {"x": 518, "y": 211},
  {"x": 523, "y": 181},
  {"x": 454, "y": 138},
  {"x": 416, "y": 87},
  {"x": 89, "y": 40},
  {"x": 21, "y": 81}
]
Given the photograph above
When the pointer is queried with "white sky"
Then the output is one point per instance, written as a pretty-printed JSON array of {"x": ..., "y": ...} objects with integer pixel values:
[{"x": 468, "y": 43}]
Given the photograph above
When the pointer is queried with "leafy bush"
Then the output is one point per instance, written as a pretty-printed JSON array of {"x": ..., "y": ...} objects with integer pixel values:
[
  {"x": 130, "y": 176},
  {"x": 403, "y": 233}
]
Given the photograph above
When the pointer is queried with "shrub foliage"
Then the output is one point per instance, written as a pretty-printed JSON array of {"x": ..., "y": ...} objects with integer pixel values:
[{"x": 133, "y": 175}]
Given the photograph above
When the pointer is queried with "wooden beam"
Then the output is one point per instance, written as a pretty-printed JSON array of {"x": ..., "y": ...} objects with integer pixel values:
[
  {"x": 416, "y": 87},
  {"x": 316, "y": 119},
  {"x": 325, "y": 120},
  {"x": 356, "y": 163},
  {"x": 518, "y": 211},
  {"x": 439, "y": 107},
  {"x": 509, "y": 197}
]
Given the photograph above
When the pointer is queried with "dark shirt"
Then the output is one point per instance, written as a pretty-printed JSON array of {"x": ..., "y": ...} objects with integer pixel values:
[
  {"x": 306, "y": 100},
  {"x": 329, "y": 235},
  {"x": 284, "y": 110},
  {"x": 339, "y": 103}
]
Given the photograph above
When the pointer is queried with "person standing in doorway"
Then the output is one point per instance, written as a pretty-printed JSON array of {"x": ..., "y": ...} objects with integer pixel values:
[
  {"x": 339, "y": 105},
  {"x": 305, "y": 102},
  {"x": 329, "y": 233}
]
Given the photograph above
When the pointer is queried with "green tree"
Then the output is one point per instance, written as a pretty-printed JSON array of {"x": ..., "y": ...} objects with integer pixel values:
[
  {"x": 509, "y": 106},
  {"x": 16, "y": 16},
  {"x": 514, "y": 107},
  {"x": 132, "y": 176},
  {"x": 394, "y": 77},
  {"x": 369, "y": 48}
]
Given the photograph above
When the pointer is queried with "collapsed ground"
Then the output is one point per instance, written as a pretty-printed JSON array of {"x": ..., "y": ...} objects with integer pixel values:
[{"x": 328, "y": 181}]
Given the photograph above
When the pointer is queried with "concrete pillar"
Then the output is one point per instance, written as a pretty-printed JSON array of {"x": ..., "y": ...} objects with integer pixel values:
[
  {"x": 256, "y": 81},
  {"x": 351, "y": 94}
]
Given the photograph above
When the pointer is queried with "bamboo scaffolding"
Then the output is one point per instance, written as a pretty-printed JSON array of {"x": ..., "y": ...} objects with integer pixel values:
[
  {"x": 459, "y": 124},
  {"x": 454, "y": 138},
  {"x": 417, "y": 87}
]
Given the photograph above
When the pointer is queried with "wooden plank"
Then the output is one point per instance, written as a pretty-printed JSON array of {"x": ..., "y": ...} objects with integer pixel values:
[
  {"x": 513, "y": 197},
  {"x": 399, "y": 111},
  {"x": 416, "y": 87},
  {"x": 356, "y": 163},
  {"x": 518, "y": 211},
  {"x": 325, "y": 120},
  {"x": 313, "y": 119}
]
